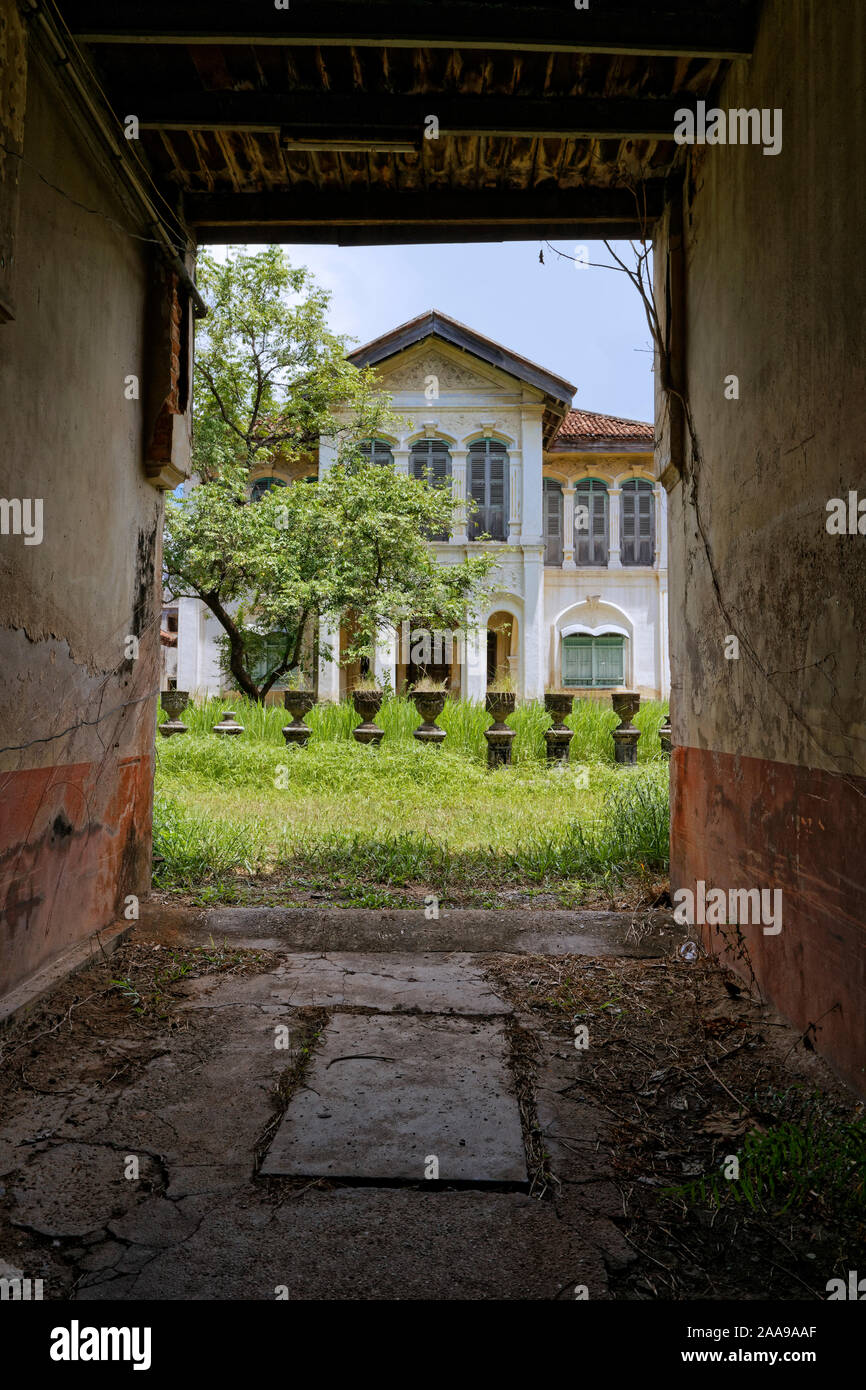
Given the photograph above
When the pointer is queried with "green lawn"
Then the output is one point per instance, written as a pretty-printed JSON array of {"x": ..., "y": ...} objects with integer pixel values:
[{"x": 246, "y": 819}]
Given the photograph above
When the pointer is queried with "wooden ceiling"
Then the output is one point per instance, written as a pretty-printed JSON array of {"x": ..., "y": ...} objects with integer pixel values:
[{"x": 308, "y": 123}]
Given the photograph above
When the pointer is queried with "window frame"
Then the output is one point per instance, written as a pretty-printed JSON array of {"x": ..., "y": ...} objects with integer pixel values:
[
  {"x": 371, "y": 447},
  {"x": 552, "y": 486},
  {"x": 634, "y": 488},
  {"x": 484, "y": 514},
  {"x": 596, "y": 643},
  {"x": 423, "y": 449},
  {"x": 271, "y": 479},
  {"x": 591, "y": 487}
]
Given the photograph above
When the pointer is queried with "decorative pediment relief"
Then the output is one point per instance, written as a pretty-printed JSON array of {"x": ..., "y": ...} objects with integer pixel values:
[{"x": 412, "y": 375}]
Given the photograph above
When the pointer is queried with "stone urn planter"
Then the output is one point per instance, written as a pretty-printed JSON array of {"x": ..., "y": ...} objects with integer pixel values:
[
  {"x": 558, "y": 737},
  {"x": 368, "y": 703},
  {"x": 626, "y": 704},
  {"x": 228, "y": 727},
  {"x": 174, "y": 702},
  {"x": 665, "y": 734},
  {"x": 500, "y": 704},
  {"x": 429, "y": 704},
  {"x": 298, "y": 703}
]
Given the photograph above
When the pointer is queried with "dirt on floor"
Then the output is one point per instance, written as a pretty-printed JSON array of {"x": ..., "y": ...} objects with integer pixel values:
[
  {"x": 691, "y": 1070},
  {"x": 638, "y": 1081}
]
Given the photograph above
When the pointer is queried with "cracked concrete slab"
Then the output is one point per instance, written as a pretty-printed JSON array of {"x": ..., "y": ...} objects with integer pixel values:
[
  {"x": 516, "y": 931},
  {"x": 385, "y": 1094},
  {"x": 430, "y": 983},
  {"x": 372, "y": 1244}
]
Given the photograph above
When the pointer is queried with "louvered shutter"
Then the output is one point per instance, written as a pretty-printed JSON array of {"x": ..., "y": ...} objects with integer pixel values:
[
  {"x": 590, "y": 545},
  {"x": 638, "y": 523},
  {"x": 645, "y": 537},
  {"x": 497, "y": 465},
  {"x": 608, "y": 661},
  {"x": 488, "y": 488},
  {"x": 577, "y": 661},
  {"x": 552, "y": 522},
  {"x": 598, "y": 525},
  {"x": 376, "y": 451},
  {"x": 478, "y": 493},
  {"x": 431, "y": 462}
]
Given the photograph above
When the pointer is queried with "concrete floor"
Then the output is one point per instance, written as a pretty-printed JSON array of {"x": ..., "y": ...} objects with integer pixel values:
[{"x": 202, "y": 1221}]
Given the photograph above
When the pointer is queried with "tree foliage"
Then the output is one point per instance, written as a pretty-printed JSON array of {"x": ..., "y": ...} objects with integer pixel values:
[{"x": 271, "y": 380}]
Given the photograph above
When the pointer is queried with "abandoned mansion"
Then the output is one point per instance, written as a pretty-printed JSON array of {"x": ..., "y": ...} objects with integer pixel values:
[{"x": 565, "y": 497}]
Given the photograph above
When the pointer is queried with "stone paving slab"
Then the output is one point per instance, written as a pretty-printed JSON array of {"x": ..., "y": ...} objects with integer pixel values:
[
  {"x": 431, "y": 983},
  {"x": 386, "y": 1092}
]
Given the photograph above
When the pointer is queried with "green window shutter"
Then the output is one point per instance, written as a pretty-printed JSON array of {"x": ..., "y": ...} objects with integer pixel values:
[
  {"x": 593, "y": 661},
  {"x": 608, "y": 654},
  {"x": 577, "y": 660}
]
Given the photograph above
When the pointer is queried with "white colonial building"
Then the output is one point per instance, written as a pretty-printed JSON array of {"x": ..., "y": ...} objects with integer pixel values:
[{"x": 566, "y": 496}]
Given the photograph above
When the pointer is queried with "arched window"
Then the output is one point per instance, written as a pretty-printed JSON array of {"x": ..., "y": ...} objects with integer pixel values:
[
  {"x": 488, "y": 488},
  {"x": 263, "y": 485},
  {"x": 552, "y": 522},
  {"x": 376, "y": 451},
  {"x": 593, "y": 662},
  {"x": 590, "y": 522},
  {"x": 430, "y": 461},
  {"x": 638, "y": 538}
]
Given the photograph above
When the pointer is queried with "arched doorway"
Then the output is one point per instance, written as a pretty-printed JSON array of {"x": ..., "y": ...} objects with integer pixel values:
[{"x": 503, "y": 651}]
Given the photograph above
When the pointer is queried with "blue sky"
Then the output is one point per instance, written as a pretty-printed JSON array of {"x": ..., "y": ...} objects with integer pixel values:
[{"x": 586, "y": 325}]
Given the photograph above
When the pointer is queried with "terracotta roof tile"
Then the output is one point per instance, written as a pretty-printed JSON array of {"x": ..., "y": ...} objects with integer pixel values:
[{"x": 590, "y": 425}]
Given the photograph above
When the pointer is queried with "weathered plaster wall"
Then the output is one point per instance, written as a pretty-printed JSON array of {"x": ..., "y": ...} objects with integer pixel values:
[
  {"x": 769, "y": 776},
  {"x": 74, "y": 806}
]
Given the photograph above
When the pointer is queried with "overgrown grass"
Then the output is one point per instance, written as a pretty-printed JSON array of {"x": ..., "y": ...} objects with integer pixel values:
[
  {"x": 464, "y": 722},
  {"x": 351, "y": 819}
]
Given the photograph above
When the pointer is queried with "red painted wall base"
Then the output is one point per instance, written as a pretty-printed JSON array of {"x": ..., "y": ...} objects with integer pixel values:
[
  {"x": 74, "y": 841},
  {"x": 752, "y": 823}
]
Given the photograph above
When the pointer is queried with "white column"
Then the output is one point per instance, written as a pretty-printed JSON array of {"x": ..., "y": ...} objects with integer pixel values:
[
  {"x": 188, "y": 644},
  {"x": 515, "y": 499},
  {"x": 474, "y": 673},
  {"x": 614, "y": 495},
  {"x": 458, "y": 485},
  {"x": 568, "y": 561},
  {"x": 327, "y": 454},
  {"x": 534, "y": 643},
  {"x": 532, "y": 528},
  {"x": 401, "y": 460},
  {"x": 661, "y": 557},
  {"x": 385, "y": 659},
  {"x": 329, "y": 671}
]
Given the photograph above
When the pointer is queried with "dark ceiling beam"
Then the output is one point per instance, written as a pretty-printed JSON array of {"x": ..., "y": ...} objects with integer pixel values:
[
  {"x": 323, "y": 119},
  {"x": 409, "y": 234},
  {"x": 362, "y": 218},
  {"x": 711, "y": 28}
]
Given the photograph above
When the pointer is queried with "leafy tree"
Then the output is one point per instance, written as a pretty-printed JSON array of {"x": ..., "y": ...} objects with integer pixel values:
[{"x": 272, "y": 380}]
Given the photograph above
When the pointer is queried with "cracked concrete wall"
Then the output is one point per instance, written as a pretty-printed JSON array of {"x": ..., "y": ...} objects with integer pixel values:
[
  {"x": 769, "y": 768},
  {"x": 74, "y": 806}
]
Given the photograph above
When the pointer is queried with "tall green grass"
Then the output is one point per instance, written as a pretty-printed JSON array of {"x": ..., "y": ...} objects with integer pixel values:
[{"x": 464, "y": 722}]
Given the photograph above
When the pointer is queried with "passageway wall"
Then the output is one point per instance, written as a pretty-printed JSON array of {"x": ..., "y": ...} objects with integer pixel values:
[{"x": 769, "y": 767}]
